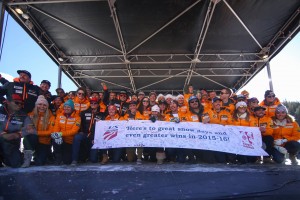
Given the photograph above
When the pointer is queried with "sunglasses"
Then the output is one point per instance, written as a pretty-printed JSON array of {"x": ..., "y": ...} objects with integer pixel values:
[
  {"x": 223, "y": 93},
  {"x": 243, "y": 107},
  {"x": 19, "y": 103},
  {"x": 239, "y": 100},
  {"x": 93, "y": 103},
  {"x": 193, "y": 101},
  {"x": 80, "y": 93},
  {"x": 271, "y": 96}
]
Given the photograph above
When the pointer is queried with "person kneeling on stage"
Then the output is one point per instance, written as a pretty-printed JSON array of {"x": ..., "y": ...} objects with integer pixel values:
[{"x": 15, "y": 124}]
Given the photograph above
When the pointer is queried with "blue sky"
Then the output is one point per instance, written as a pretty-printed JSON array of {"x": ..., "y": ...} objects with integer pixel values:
[{"x": 21, "y": 52}]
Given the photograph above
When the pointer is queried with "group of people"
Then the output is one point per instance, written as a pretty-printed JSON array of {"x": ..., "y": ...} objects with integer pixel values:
[{"x": 60, "y": 128}]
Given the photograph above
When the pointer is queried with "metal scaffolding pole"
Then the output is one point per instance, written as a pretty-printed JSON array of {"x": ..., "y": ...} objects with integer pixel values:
[
  {"x": 59, "y": 76},
  {"x": 270, "y": 76},
  {"x": 2, "y": 12}
]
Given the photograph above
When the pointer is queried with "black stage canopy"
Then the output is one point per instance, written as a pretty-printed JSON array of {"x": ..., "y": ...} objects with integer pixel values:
[{"x": 159, "y": 45}]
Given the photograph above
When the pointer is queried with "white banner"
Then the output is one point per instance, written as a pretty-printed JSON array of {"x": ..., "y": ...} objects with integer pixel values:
[{"x": 191, "y": 135}]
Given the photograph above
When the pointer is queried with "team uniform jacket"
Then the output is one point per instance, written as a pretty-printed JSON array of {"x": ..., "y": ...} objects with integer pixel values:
[
  {"x": 81, "y": 105},
  {"x": 69, "y": 126},
  {"x": 182, "y": 117},
  {"x": 183, "y": 109},
  {"x": 116, "y": 118},
  {"x": 88, "y": 121},
  {"x": 263, "y": 122},
  {"x": 147, "y": 113},
  {"x": 229, "y": 106},
  {"x": 206, "y": 104},
  {"x": 14, "y": 123},
  {"x": 44, "y": 136},
  {"x": 270, "y": 110},
  {"x": 223, "y": 117},
  {"x": 290, "y": 131},
  {"x": 137, "y": 116},
  {"x": 55, "y": 111},
  {"x": 186, "y": 97},
  {"x": 242, "y": 122},
  {"x": 193, "y": 117},
  {"x": 27, "y": 91}
]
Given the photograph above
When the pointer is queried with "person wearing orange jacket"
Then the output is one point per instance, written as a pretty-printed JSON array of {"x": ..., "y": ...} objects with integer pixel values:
[
  {"x": 265, "y": 125},
  {"x": 252, "y": 103},
  {"x": 56, "y": 106},
  {"x": 115, "y": 154},
  {"x": 241, "y": 117},
  {"x": 44, "y": 121},
  {"x": 134, "y": 114},
  {"x": 270, "y": 103},
  {"x": 66, "y": 127},
  {"x": 215, "y": 115},
  {"x": 188, "y": 92},
  {"x": 61, "y": 92},
  {"x": 162, "y": 104},
  {"x": 173, "y": 115},
  {"x": 144, "y": 107},
  {"x": 286, "y": 133},
  {"x": 195, "y": 112},
  {"x": 182, "y": 105},
  {"x": 81, "y": 101},
  {"x": 205, "y": 99},
  {"x": 227, "y": 102}
]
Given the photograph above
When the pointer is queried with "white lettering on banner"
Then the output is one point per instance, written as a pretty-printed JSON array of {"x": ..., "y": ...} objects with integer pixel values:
[{"x": 191, "y": 135}]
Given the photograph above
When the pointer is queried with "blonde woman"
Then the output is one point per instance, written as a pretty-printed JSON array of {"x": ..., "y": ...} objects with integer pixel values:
[{"x": 43, "y": 120}]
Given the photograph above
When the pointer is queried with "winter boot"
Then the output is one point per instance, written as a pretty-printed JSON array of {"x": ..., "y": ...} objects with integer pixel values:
[
  {"x": 293, "y": 159},
  {"x": 160, "y": 156},
  {"x": 104, "y": 159},
  {"x": 27, "y": 158}
]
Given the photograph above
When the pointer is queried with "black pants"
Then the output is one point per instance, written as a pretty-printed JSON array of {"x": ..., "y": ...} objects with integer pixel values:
[
  {"x": 10, "y": 151},
  {"x": 292, "y": 147},
  {"x": 42, "y": 153},
  {"x": 63, "y": 153},
  {"x": 30, "y": 142}
]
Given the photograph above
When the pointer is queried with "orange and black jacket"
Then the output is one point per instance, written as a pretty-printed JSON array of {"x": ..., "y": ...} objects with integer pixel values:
[
  {"x": 27, "y": 91},
  {"x": 14, "y": 122},
  {"x": 266, "y": 122},
  {"x": 68, "y": 125},
  {"x": 88, "y": 121}
]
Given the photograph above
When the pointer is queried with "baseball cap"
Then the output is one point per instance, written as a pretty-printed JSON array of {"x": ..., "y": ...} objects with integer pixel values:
[
  {"x": 216, "y": 99},
  {"x": 259, "y": 108},
  {"x": 25, "y": 72},
  {"x": 47, "y": 82}
]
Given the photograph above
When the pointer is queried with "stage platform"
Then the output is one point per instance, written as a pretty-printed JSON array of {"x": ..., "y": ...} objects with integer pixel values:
[{"x": 151, "y": 181}]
